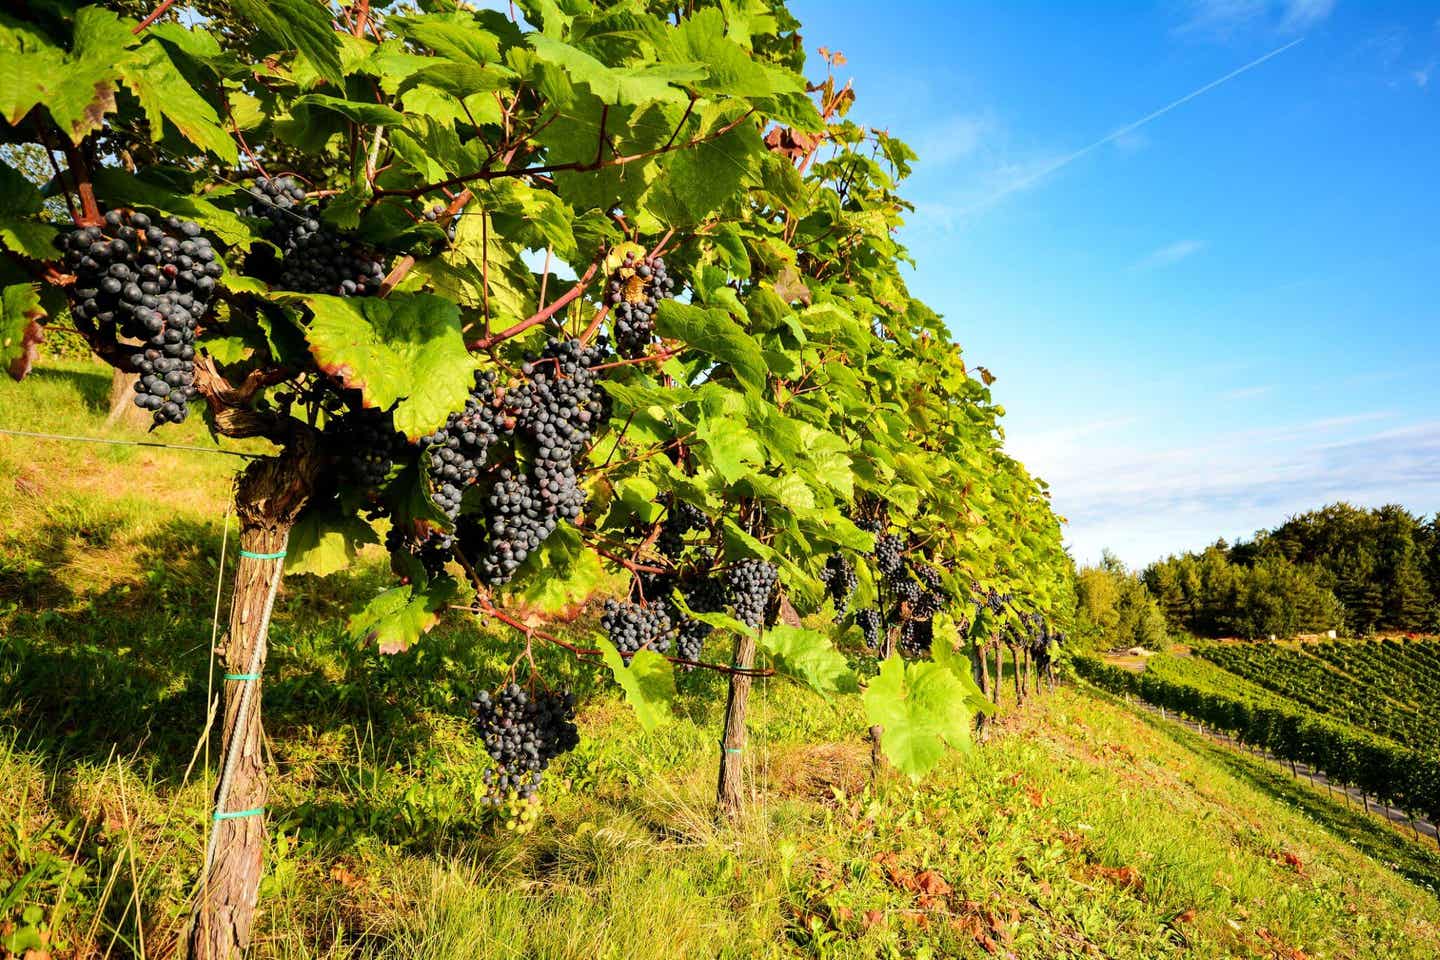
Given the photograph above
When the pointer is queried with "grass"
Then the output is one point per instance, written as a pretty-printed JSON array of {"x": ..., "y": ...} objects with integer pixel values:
[{"x": 1079, "y": 829}]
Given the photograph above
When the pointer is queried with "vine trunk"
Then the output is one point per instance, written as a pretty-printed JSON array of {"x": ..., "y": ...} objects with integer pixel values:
[
  {"x": 728, "y": 796},
  {"x": 268, "y": 498}
]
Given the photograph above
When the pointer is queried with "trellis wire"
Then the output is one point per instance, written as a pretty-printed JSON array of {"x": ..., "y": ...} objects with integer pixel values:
[{"x": 130, "y": 443}]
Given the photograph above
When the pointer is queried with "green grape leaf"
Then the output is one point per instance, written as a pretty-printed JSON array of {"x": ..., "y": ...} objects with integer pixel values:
[
  {"x": 921, "y": 708},
  {"x": 810, "y": 656},
  {"x": 396, "y": 620},
  {"x": 163, "y": 92},
  {"x": 300, "y": 25},
  {"x": 198, "y": 44},
  {"x": 18, "y": 196},
  {"x": 460, "y": 80},
  {"x": 405, "y": 351},
  {"x": 648, "y": 682},
  {"x": 715, "y": 333},
  {"x": 455, "y": 36},
  {"x": 728, "y": 447},
  {"x": 28, "y": 237},
  {"x": 371, "y": 114},
  {"x": 728, "y": 69},
  {"x": 739, "y": 544},
  {"x": 324, "y": 541},
  {"x": 561, "y": 575},
  {"x": 945, "y": 650},
  {"x": 617, "y": 85},
  {"x": 700, "y": 179},
  {"x": 641, "y": 497}
]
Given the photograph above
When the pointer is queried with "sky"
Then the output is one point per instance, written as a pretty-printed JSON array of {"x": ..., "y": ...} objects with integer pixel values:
[{"x": 1194, "y": 239}]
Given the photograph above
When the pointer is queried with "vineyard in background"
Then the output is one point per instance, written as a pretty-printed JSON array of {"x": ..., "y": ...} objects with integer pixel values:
[
  {"x": 1362, "y": 712},
  {"x": 1389, "y": 687}
]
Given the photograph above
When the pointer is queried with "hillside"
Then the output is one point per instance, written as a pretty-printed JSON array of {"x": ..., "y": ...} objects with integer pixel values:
[{"x": 1079, "y": 828}]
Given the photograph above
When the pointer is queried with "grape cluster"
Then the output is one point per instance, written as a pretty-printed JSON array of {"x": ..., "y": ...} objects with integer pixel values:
[
  {"x": 927, "y": 604},
  {"x": 366, "y": 444},
  {"x": 433, "y": 548},
  {"x": 928, "y": 574},
  {"x": 906, "y": 591},
  {"x": 523, "y": 732},
  {"x": 916, "y": 637},
  {"x": 458, "y": 450},
  {"x": 868, "y": 621},
  {"x": 636, "y": 288},
  {"x": 632, "y": 627},
  {"x": 553, "y": 414},
  {"x": 840, "y": 581},
  {"x": 682, "y": 518},
  {"x": 996, "y": 600},
  {"x": 148, "y": 280},
  {"x": 748, "y": 587},
  {"x": 314, "y": 258},
  {"x": 889, "y": 555},
  {"x": 435, "y": 212},
  {"x": 703, "y": 594}
]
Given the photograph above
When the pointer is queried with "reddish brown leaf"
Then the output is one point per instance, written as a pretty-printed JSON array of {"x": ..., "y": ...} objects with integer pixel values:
[
  {"x": 29, "y": 350},
  {"x": 873, "y": 917},
  {"x": 1122, "y": 876},
  {"x": 932, "y": 884},
  {"x": 793, "y": 144}
]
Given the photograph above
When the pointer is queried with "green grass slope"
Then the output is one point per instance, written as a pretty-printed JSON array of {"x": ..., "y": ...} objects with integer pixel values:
[{"x": 1079, "y": 829}]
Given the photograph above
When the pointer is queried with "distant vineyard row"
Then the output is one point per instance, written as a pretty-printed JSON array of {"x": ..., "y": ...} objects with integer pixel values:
[
  {"x": 1397, "y": 774},
  {"x": 1389, "y": 687}
]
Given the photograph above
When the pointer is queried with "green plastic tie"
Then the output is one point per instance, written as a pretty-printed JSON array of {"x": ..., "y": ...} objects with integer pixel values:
[
  {"x": 237, "y": 814},
  {"x": 242, "y": 676},
  {"x": 263, "y": 556},
  {"x": 728, "y": 749}
]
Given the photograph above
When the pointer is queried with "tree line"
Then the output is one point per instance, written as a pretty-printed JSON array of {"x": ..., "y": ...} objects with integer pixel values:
[{"x": 1341, "y": 567}]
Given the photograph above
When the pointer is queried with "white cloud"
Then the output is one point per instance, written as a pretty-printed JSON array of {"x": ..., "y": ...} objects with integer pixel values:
[
  {"x": 956, "y": 139},
  {"x": 1246, "y": 393},
  {"x": 1144, "y": 504},
  {"x": 1304, "y": 14},
  {"x": 1169, "y": 254},
  {"x": 1225, "y": 18},
  {"x": 1422, "y": 76}
]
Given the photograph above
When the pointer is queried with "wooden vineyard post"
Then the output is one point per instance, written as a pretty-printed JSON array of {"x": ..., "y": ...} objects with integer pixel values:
[
  {"x": 268, "y": 498},
  {"x": 980, "y": 670},
  {"x": 999, "y": 670},
  {"x": 1019, "y": 684},
  {"x": 728, "y": 799}
]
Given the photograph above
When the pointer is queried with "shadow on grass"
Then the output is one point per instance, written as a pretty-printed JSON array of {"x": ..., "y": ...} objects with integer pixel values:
[
  {"x": 1361, "y": 830},
  {"x": 93, "y": 386},
  {"x": 123, "y": 672}
]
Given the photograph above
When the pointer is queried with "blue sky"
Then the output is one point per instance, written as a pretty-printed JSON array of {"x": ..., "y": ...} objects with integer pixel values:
[{"x": 1207, "y": 322}]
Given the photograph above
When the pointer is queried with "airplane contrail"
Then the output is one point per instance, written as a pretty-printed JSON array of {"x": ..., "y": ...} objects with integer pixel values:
[{"x": 1128, "y": 128}]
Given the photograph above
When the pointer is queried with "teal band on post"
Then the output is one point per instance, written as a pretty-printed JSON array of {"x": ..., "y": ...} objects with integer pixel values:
[
  {"x": 237, "y": 814},
  {"x": 263, "y": 556},
  {"x": 242, "y": 676}
]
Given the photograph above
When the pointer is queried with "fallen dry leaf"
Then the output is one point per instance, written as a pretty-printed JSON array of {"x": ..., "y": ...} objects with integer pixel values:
[{"x": 1123, "y": 876}]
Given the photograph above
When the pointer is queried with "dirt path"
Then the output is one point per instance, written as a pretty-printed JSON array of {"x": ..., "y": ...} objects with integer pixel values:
[{"x": 1420, "y": 826}]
